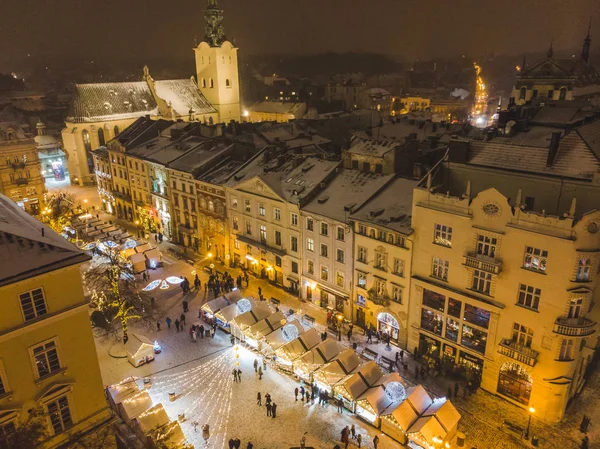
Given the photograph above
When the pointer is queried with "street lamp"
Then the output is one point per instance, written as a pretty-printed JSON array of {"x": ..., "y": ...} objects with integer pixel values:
[
  {"x": 531, "y": 412},
  {"x": 340, "y": 318}
]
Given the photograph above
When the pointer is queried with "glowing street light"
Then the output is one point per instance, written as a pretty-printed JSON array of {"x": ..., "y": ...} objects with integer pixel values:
[{"x": 531, "y": 412}]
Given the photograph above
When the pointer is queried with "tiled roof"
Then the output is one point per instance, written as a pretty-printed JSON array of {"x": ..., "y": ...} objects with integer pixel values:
[
  {"x": 278, "y": 107},
  {"x": 31, "y": 247},
  {"x": 110, "y": 101},
  {"x": 591, "y": 136},
  {"x": 574, "y": 158},
  {"x": 113, "y": 101}
]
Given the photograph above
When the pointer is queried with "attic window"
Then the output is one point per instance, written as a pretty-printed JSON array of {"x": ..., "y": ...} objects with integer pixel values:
[
  {"x": 322, "y": 199},
  {"x": 289, "y": 180}
]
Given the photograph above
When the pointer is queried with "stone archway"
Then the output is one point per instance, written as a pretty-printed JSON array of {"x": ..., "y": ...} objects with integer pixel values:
[{"x": 388, "y": 323}]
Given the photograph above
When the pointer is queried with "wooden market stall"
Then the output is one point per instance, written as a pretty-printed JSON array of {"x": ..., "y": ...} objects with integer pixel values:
[
  {"x": 337, "y": 371},
  {"x": 317, "y": 357}
]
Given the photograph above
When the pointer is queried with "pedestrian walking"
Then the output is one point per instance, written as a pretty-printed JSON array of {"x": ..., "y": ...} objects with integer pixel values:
[
  {"x": 353, "y": 431},
  {"x": 250, "y": 445},
  {"x": 369, "y": 336},
  {"x": 296, "y": 393},
  {"x": 268, "y": 398},
  {"x": 231, "y": 443},
  {"x": 264, "y": 364},
  {"x": 239, "y": 374},
  {"x": 260, "y": 373},
  {"x": 168, "y": 320},
  {"x": 235, "y": 375},
  {"x": 197, "y": 283},
  {"x": 359, "y": 440},
  {"x": 340, "y": 405},
  {"x": 177, "y": 325},
  {"x": 274, "y": 410},
  {"x": 375, "y": 442},
  {"x": 157, "y": 326},
  {"x": 182, "y": 319},
  {"x": 259, "y": 291},
  {"x": 401, "y": 354},
  {"x": 185, "y": 307},
  {"x": 268, "y": 409},
  {"x": 255, "y": 365},
  {"x": 307, "y": 396},
  {"x": 258, "y": 399}
]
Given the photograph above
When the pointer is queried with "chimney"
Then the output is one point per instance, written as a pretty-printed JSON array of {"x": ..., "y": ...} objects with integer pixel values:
[
  {"x": 43, "y": 230},
  {"x": 553, "y": 149}
]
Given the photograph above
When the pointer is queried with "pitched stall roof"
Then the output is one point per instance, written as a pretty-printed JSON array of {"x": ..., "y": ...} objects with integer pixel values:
[{"x": 31, "y": 247}]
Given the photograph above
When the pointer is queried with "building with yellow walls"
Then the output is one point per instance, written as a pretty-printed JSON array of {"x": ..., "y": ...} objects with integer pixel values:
[
  {"x": 20, "y": 168},
  {"x": 505, "y": 268},
  {"x": 47, "y": 352}
]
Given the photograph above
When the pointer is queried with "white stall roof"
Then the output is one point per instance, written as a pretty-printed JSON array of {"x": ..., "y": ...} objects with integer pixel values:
[
  {"x": 417, "y": 401},
  {"x": 152, "y": 418},
  {"x": 137, "y": 404},
  {"x": 227, "y": 314},
  {"x": 346, "y": 364},
  {"x": 445, "y": 412},
  {"x": 323, "y": 353},
  {"x": 144, "y": 247},
  {"x": 175, "y": 436},
  {"x": 300, "y": 346},
  {"x": 268, "y": 325},
  {"x": 153, "y": 254},
  {"x": 128, "y": 252},
  {"x": 285, "y": 334},
  {"x": 367, "y": 376},
  {"x": 137, "y": 343},
  {"x": 137, "y": 257},
  {"x": 122, "y": 390},
  {"x": 258, "y": 313}
]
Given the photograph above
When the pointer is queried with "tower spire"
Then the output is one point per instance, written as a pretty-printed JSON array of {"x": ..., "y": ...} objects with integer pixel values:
[
  {"x": 550, "y": 51},
  {"x": 214, "y": 33},
  {"x": 587, "y": 43}
]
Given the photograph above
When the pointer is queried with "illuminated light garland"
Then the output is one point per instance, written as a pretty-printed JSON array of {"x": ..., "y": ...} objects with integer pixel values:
[
  {"x": 164, "y": 285},
  {"x": 174, "y": 280},
  {"x": 152, "y": 285}
]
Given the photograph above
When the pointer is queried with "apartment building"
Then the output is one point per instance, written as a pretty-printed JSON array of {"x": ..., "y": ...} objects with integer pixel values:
[
  {"x": 382, "y": 260},
  {"x": 47, "y": 352},
  {"x": 264, "y": 198},
  {"x": 328, "y": 239}
]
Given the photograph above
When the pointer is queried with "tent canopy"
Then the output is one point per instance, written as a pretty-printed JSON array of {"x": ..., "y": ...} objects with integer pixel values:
[
  {"x": 135, "y": 405},
  {"x": 152, "y": 419},
  {"x": 346, "y": 364},
  {"x": 268, "y": 325},
  {"x": 285, "y": 334},
  {"x": 258, "y": 313},
  {"x": 221, "y": 302},
  {"x": 417, "y": 401},
  {"x": 366, "y": 377},
  {"x": 322, "y": 353},
  {"x": 229, "y": 313},
  {"x": 136, "y": 344},
  {"x": 445, "y": 412}
]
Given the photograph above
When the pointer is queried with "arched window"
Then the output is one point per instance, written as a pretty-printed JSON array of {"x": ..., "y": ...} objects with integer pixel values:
[
  {"x": 372, "y": 233},
  {"x": 116, "y": 129},
  {"x": 227, "y": 83},
  {"x": 101, "y": 137},
  {"x": 523, "y": 93},
  {"x": 515, "y": 382},
  {"x": 210, "y": 120},
  {"x": 86, "y": 140},
  {"x": 202, "y": 203},
  {"x": 203, "y": 83},
  {"x": 211, "y": 83},
  {"x": 563, "y": 93},
  {"x": 211, "y": 206}
]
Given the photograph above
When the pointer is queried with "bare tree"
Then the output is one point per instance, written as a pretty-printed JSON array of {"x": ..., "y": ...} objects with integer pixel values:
[
  {"x": 29, "y": 434},
  {"x": 114, "y": 291}
]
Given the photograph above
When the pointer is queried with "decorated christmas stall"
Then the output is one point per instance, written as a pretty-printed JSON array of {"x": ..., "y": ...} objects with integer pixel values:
[
  {"x": 119, "y": 392},
  {"x": 138, "y": 262},
  {"x": 256, "y": 333},
  {"x": 153, "y": 258},
  {"x": 211, "y": 307},
  {"x": 226, "y": 315},
  {"x": 436, "y": 425},
  {"x": 139, "y": 349},
  {"x": 287, "y": 354},
  {"x": 171, "y": 436},
  {"x": 359, "y": 383},
  {"x": 244, "y": 321},
  {"x": 316, "y": 358},
  {"x": 143, "y": 247},
  {"x": 285, "y": 334},
  {"x": 149, "y": 421},
  {"x": 337, "y": 371},
  {"x": 135, "y": 405},
  {"x": 396, "y": 421},
  {"x": 387, "y": 394}
]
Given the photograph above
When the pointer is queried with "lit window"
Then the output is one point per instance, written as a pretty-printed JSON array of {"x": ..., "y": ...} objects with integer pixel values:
[
  {"x": 60, "y": 414},
  {"x": 33, "y": 304},
  {"x": 584, "y": 266},
  {"x": 566, "y": 350},
  {"x": 398, "y": 267},
  {"x": 380, "y": 260},
  {"x": 263, "y": 234},
  {"x": 535, "y": 259},
  {"x": 294, "y": 219},
  {"x": 234, "y": 202},
  {"x": 324, "y": 273},
  {"x": 443, "y": 235},
  {"x": 486, "y": 246},
  {"x": 339, "y": 279},
  {"x": 310, "y": 245},
  {"x": 247, "y": 205},
  {"x": 362, "y": 280},
  {"x": 522, "y": 335},
  {"x": 362, "y": 254},
  {"x": 261, "y": 210},
  {"x": 396, "y": 294},
  {"x": 440, "y": 269},
  {"x": 482, "y": 281}
]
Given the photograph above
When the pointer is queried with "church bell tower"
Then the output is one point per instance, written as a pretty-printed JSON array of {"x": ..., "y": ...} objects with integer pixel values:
[{"x": 217, "y": 66}]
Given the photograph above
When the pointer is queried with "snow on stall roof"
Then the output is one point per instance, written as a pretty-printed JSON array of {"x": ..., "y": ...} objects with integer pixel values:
[
  {"x": 301, "y": 345},
  {"x": 445, "y": 412},
  {"x": 268, "y": 325},
  {"x": 322, "y": 353},
  {"x": 152, "y": 419},
  {"x": 378, "y": 400},
  {"x": 137, "y": 342},
  {"x": 258, "y": 313},
  {"x": 347, "y": 192},
  {"x": 229, "y": 313},
  {"x": 343, "y": 366},
  {"x": 391, "y": 207},
  {"x": 276, "y": 339},
  {"x": 137, "y": 404},
  {"x": 121, "y": 391},
  {"x": 31, "y": 247}
]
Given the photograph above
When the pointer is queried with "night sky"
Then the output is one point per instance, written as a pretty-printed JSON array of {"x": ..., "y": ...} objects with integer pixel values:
[{"x": 409, "y": 28}]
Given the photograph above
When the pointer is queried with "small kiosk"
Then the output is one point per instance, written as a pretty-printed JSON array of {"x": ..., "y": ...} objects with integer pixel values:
[
  {"x": 139, "y": 349},
  {"x": 243, "y": 321},
  {"x": 317, "y": 357},
  {"x": 292, "y": 351},
  {"x": 346, "y": 364},
  {"x": 256, "y": 333},
  {"x": 285, "y": 334}
]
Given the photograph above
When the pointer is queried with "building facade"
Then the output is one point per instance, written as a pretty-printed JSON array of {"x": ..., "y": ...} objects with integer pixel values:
[
  {"x": 47, "y": 353},
  {"x": 382, "y": 261},
  {"x": 505, "y": 295},
  {"x": 20, "y": 168}
]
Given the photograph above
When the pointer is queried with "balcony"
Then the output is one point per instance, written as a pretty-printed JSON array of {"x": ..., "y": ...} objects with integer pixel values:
[
  {"x": 484, "y": 263},
  {"x": 17, "y": 165},
  {"x": 22, "y": 181},
  {"x": 381, "y": 299},
  {"x": 518, "y": 352},
  {"x": 574, "y": 327}
]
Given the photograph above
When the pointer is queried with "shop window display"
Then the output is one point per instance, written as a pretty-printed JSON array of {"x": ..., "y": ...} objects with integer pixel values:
[
  {"x": 431, "y": 321},
  {"x": 477, "y": 316},
  {"x": 515, "y": 382},
  {"x": 474, "y": 339},
  {"x": 434, "y": 300}
]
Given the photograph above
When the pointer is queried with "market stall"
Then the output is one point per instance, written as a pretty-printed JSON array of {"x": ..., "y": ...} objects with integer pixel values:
[
  {"x": 135, "y": 405},
  {"x": 226, "y": 315},
  {"x": 212, "y": 307},
  {"x": 287, "y": 354},
  {"x": 346, "y": 364},
  {"x": 242, "y": 322},
  {"x": 139, "y": 349},
  {"x": 172, "y": 436},
  {"x": 119, "y": 392},
  {"x": 143, "y": 247},
  {"x": 359, "y": 383},
  {"x": 138, "y": 262},
  {"x": 150, "y": 420},
  {"x": 316, "y": 358},
  {"x": 256, "y": 333},
  {"x": 440, "y": 420},
  {"x": 153, "y": 257},
  {"x": 396, "y": 421},
  {"x": 285, "y": 334}
]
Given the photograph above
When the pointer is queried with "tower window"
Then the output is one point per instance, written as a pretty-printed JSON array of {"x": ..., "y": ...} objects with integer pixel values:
[
  {"x": 227, "y": 83},
  {"x": 101, "y": 139},
  {"x": 212, "y": 83},
  {"x": 203, "y": 83},
  {"x": 116, "y": 130}
]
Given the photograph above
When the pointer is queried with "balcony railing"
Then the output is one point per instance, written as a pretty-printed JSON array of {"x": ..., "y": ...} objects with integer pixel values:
[
  {"x": 22, "y": 181},
  {"x": 484, "y": 263},
  {"x": 574, "y": 327},
  {"x": 381, "y": 299},
  {"x": 518, "y": 352}
]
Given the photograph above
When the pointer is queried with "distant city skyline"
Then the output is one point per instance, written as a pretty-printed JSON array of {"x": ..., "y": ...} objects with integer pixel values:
[{"x": 83, "y": 29}]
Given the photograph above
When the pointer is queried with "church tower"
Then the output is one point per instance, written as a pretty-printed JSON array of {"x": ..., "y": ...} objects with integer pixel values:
[
  {"x": 587, "y": 43},
  {"x": 217, "y": 66}
]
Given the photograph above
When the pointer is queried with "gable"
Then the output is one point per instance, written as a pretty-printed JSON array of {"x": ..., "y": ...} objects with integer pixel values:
[
  {"x": 546, "y": 68},
  {"x": 259, "y": 187}
]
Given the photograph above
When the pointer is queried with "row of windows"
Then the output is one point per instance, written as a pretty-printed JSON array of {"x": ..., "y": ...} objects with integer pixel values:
[
  {"x": 87, "y": 142},
  {"x": 210, "y": 83},
  {"x": 381, "y": 261},
  {"x": 380, "y": 287},
  {"x": 379, "y": 234},
  {"x": 324, "y": 229}
]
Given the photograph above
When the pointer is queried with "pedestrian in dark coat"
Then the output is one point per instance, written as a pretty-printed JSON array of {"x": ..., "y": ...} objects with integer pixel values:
[
  {"x": 168, "y": 320},
  {"x": 375, "y": 441},
  {"x": 185, "y": 306},
  {"x": 274, "y": 410},
  {"x": 231, "y": 443},
  {"x": 258, "y": 399},
  {"x": 182, "y": 319},
  {"x": 239, "y": 375},
  {"x": 340, "y": 405},
  {"x": 260, "y": 373},
  {"x": 177, "y": 325},
  {"x": 296, "y": 393},
  {"x": 250, "y": 445},
  {"x": 238, "y": 443},
  {"x": 255, "y": 365},
  {"x": 268, "y": 409}
]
